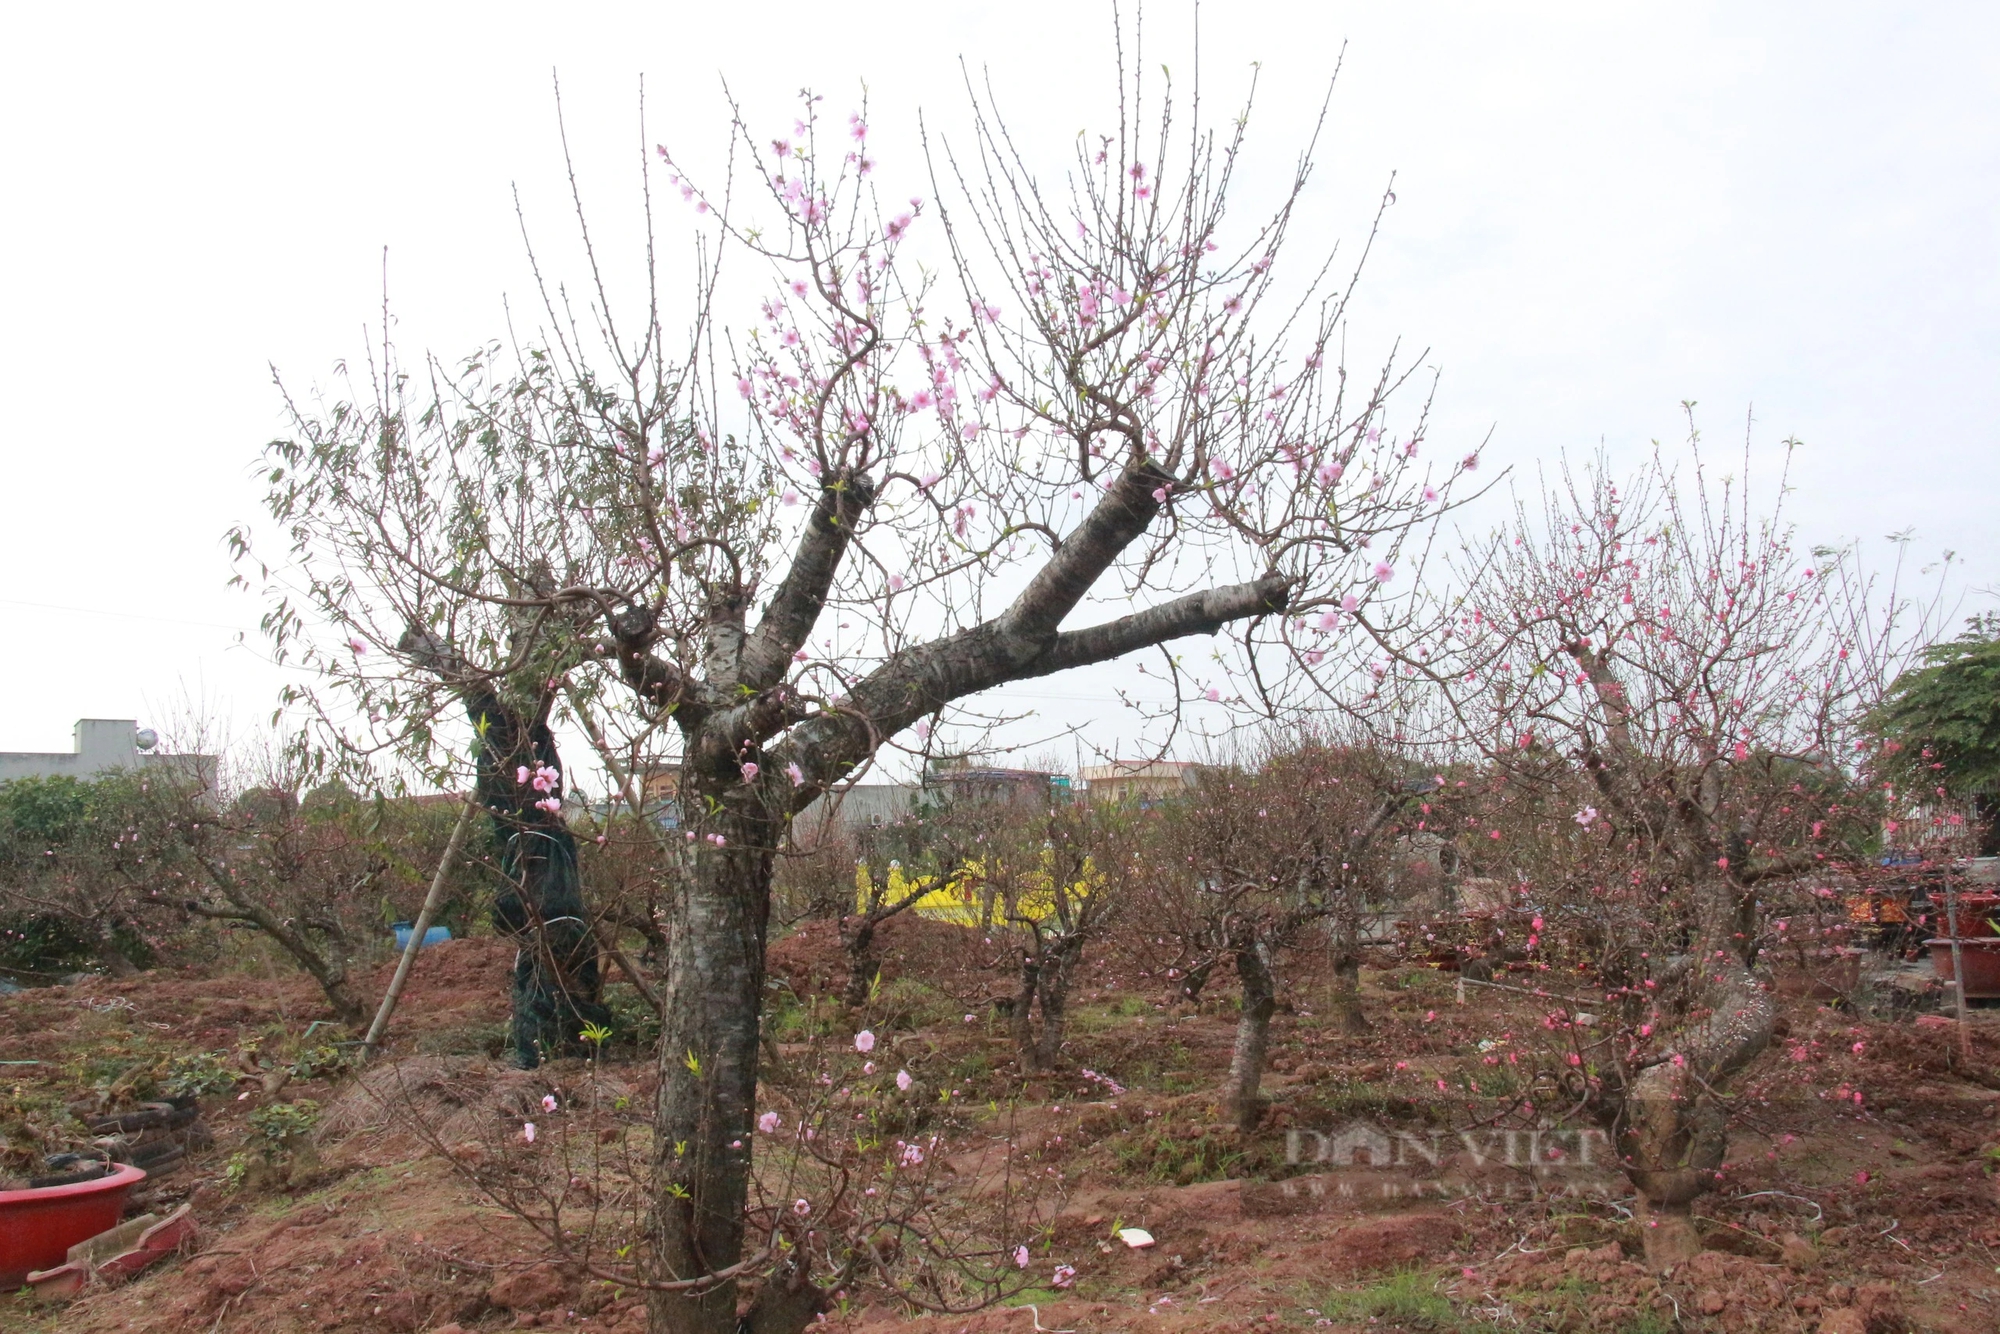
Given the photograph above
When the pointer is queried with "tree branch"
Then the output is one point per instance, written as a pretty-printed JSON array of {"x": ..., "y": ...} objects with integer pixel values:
[
  {"x": 795, "y": 608},
  {"x": 1128, "y": 506},
  {"x": 921, "y": 680}
]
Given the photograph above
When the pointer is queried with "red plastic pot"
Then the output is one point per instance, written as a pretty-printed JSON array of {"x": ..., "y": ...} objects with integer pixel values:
[
  {"x": 1982, "y": 964},
  {"x": 37, "y": 1227}
]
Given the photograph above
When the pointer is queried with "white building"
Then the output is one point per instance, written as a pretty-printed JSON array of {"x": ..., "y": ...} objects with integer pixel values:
[{"x": 102, "y": 745}]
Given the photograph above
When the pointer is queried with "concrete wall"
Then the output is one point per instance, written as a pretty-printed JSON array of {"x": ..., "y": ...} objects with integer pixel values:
[{"x": 102, "y": 744}]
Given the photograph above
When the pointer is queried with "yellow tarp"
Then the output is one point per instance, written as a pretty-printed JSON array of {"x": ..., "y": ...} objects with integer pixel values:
[{"x": 960, "y": 899}]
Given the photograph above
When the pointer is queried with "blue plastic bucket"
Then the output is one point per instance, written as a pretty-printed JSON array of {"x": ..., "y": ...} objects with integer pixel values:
[{"x": 437, "y": 935}]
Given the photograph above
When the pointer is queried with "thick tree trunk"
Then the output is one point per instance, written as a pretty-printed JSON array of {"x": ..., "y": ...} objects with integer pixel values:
[
  {"x": 1246, "y": 1063},
  {"x": 1669, "y": 1233},
  {"x": 1053, "y": 988},
  {"x": 1672, "y": 1144},
  {"x": 1671, "y": 1129},
  {"x": 708, "y": 1082},
  {"x": 1021, "y": 1021},
  {"x": 863, "y": 965},
  {"x": 1347, "y": 1014}
]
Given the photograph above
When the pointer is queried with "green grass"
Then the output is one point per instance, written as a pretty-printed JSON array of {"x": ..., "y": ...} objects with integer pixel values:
[
  {"x": 1405, "y": 1300},
  {"x": 1180, "y": 1155},
  {"x": 912, "y": 1004},
  {"x": 1410, "y": 1301}
]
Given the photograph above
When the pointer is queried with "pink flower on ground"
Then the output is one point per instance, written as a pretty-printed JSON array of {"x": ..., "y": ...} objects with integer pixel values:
[
  {"x": 1020, "y": 1257},
  {"x": 903, "y": 1080},
  {"x": 868, "y": 1067},
  {"x": 864, "y": 1041},
  {"x": 1065, "y": 1275},
  {"x": 548, "y": 1102},
  {"x": 801, "y": 1208},
  {"x": 528, "y": 1131},
  {"x": 769, "y": 1123}
]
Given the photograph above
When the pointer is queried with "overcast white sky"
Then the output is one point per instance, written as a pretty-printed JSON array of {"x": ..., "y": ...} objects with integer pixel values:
[{"x": 1602, "y": 211}]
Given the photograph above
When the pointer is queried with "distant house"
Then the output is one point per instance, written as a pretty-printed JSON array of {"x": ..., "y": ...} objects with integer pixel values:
[
  {"x": 965, "y": 783},
  {"x": 862, "y": 806},
  {"x": 104, "y": 745},
  {"x": 1143, "y": 781}
]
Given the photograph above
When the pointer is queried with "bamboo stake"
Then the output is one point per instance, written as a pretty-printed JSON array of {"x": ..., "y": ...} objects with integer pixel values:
[
  {"x": 1957, "y": 965},
  {"x": 395, "y": 991}
]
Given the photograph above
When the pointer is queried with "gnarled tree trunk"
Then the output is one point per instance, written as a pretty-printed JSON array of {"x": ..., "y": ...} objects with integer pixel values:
[
  {"x": 1053, "y": 989},
  {"x": 1670, "y": 1128},
  {"x": 1253, "y": 1030}
]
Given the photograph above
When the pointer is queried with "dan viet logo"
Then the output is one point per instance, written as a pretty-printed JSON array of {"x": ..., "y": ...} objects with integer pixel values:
[{"x": 1363, "y": 1163}]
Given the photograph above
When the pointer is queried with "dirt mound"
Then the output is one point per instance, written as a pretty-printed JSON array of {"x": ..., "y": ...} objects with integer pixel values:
[
  {"x": 1395, "y": 1241},
  {"x": 455, "y": 1099},
  {"x": 1597, "y": 1288}
]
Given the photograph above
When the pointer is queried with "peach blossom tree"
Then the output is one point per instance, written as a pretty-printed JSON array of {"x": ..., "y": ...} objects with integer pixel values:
[{"x": 854, "y": 491}]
